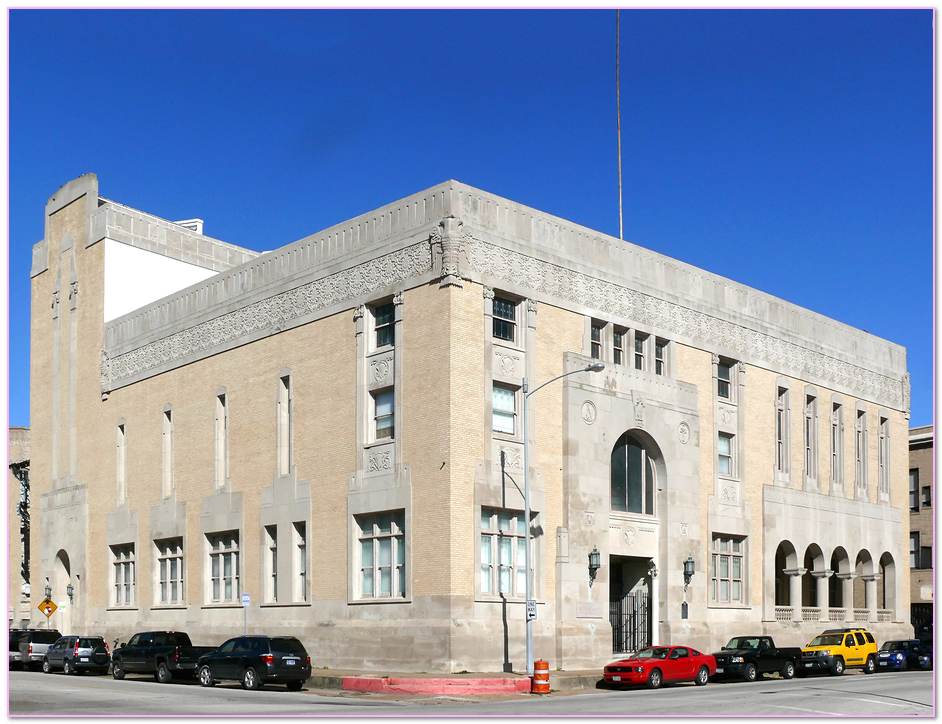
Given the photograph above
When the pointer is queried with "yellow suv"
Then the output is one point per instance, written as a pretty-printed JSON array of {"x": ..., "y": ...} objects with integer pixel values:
[{"x": 837, "y": 649}]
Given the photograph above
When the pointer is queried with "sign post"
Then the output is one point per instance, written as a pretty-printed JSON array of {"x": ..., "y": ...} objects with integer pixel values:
[{"x": 246, "y": 600}]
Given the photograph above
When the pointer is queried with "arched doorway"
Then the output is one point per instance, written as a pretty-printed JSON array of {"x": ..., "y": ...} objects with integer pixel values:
[
  {"x": 61, "y": 578},
  {"x": 886, "y": 587},
  {"x": 813, "y": 561},
  {"x": 840, "y": 564},
  {"x": 863, "y": 566},
  {"x": 785, "y": 559}
]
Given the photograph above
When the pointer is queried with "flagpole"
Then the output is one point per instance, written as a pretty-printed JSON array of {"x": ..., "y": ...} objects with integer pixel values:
[{"x": 621, "y": 230}]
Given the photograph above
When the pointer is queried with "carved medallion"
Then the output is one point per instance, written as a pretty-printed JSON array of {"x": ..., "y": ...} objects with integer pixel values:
[
  {"x": 589, "y": 412},
  {"x": 630, "y": 535},
  {"x": 683, "y": 432}
]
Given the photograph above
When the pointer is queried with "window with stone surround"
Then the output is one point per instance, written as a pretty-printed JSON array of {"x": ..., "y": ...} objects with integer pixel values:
[
  {"x": 167, "y": 453},
  {"x": 121, "y": 463},
  {"x": 725, "y": 389},
  {"x": 221, "y": 441},
  {"x": 382, "y": 555},
  {"x": 223, "y": 566},
  {"x": 300, "y": 560},
  {"x": 384, "y": 417},
  {"x": 503, "y": 551},
  {"x": 384, "y": 325},
  {"x": 727, "y": 570},
  {"x": 641, "y": 350},
  {"x": 660, "y": 356},
  {"x": 169, "y": 589},
  {"x": 596, "y": 341},
  {"x": 811, "y": 437},
  {"x": 123, "y": 576},
  {"x": 837, "y": 446},
  {"x": 619, "y": 335},
  {"x": 270, "y": 563},
  {"x": 726, "y": 454},
  {"x": 883, "y": 457},
  {"x": 284, "y": 425},
  {"x": 781, "y": 430},
  {"x": 504, "y": 409},
  {"x": 505, "y": 319},
  {"x": 860, "y": 452}
]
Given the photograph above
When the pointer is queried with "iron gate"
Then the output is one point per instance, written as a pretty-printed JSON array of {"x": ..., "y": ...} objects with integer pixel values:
[{"x": 630, "y": 622}]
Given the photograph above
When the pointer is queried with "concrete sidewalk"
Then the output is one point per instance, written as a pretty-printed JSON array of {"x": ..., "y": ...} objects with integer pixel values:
[{"x": 465, "y": 684}]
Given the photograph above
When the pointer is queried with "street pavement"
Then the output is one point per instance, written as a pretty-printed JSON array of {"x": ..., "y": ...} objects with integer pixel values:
[{"x": 854, "y": 694}]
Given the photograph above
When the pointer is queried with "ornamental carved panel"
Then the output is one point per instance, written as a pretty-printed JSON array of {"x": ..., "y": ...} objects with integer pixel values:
[{"x": 380, "y": 370}]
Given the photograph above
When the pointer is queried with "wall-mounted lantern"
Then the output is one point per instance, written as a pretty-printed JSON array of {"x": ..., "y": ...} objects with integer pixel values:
[
  {"x": 689, "y": 569},
  {"x": 595, "y": 562},
  {"x": 48, "y": 589},
  {"x": 652, "y": 569},
  {"x": 70, "y": 591}
]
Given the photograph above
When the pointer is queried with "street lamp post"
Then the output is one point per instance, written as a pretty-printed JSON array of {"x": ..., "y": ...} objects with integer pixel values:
[{"x": 531, "y": 604}]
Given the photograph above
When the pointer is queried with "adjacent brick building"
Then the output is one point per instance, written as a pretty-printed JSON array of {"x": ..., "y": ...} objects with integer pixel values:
[
  {"x": 921, "y": 494},
  {"x": 334, "y": 427}
]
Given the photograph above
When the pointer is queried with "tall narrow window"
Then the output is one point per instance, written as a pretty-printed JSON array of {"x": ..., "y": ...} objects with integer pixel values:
[
  {"x": 914, "y": 490},
  {"x": 860, "y": 451},
  {"x": 384, "y": 325},
  {"x": 884, "y": 456},
  {"x": 300, "y": 554},
  {"x": 837, "y": 447},
  {"x": 271, "y": 562},
  {"x": 596, "y": 346},
  {"x": 503, "y": 552},
  {"x": 167, "y": 454},
  {"x": 724, "y": 373},
  {"x": 926, "y": 496},
  {"x": 618, "y": 345},
  {"x": 632, "y": 477},
  {"x": 221, "y": 441},
  {"x": 724, "y": 452},
  {"x": 121, "y": 463},
  {"x": 660, "y": 356},
  {"x": 641, "y": 348},
  {"x": 505, "y": 319},
  {"x": 123, "y": 575},
  {"x": 811, "y": 437},
  {"x": 384, "y": 423},
  {"x": 504, "y": 409},
  {"x": 726, "y": 570},
  {"x": 224, "y": 566},
  {"x": 284, "y": 425},
  {"x": 169, "y": 570},
  {"x": 914, "y": 550},
  {"x": 382, "y": 555},
  {"x": 781, "y": 430}
]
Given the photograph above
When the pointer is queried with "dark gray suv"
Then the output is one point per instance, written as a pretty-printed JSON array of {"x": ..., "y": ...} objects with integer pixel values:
[{"x": 74, "y": 654}]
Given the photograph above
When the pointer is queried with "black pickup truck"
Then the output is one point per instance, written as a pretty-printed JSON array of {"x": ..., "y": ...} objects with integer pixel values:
[
  {"x": 165, "y": 654},
  {"x": 748, "y": 657}
]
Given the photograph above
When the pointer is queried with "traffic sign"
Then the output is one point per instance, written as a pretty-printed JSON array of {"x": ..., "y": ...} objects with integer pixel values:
[
  {"x": 246, "y": 600},
  {"x": 47, "y": 606},
  {"x": 531, "y": 610}
]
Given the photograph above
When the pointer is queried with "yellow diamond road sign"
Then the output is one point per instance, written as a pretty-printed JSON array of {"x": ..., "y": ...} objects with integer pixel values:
[{"x": 47, "y": 607}]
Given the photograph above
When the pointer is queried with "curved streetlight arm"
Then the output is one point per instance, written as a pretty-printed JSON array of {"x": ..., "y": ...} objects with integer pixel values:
[{"x": 597, "y": 367}]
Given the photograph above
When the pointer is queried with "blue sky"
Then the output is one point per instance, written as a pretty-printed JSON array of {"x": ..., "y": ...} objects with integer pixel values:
[{"x": 788, "y": 150}]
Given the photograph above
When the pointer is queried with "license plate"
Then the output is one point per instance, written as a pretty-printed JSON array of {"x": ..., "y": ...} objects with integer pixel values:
[
  {"x": 719, "y": 669},
  {"x": 291, "y": 662},
  {"x": 808, "y": 665},
  {"x": 83, "y": 658},
  {"x": 616, "y": 678},
  {"x": 883, "y": 663}
]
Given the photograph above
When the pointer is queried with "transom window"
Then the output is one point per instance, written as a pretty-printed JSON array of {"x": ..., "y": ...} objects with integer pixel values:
[
  {"x": 505, "y": 319},
  {"x": 504, "y": 406},
  {"x": 503, "y": 551},
  {"x": 632, "y": 477},
  {"x": 384, "y": 325},
  {"x": 382, "y": 555},
  {"x": 224, "y": 566},
  {"x": 170, "y": 570},
  {"x": 726, "y": 570}
]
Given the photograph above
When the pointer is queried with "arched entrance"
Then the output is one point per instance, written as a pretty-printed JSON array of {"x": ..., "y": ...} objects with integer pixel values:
[
  {"x": 863, "y": 566},
  {"x": 785, "y": 559},
  {"x": 813, "y": 561},
  {"x": 886, "y": 587},
  {"x": 61, "y": 578},
  {"x": 840, "y": 564}
]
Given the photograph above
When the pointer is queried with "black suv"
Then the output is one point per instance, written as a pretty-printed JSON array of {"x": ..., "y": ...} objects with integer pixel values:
[{"x": 256, "y": 661}]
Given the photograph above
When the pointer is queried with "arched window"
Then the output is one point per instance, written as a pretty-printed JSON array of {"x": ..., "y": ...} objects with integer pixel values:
[{"x": 632, "y": 477}]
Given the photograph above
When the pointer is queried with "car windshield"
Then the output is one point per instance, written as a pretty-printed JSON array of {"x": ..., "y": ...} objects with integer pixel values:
[
  {"x": 653, "y": 653},
  {"x": 743, "y": 642},
  {"x": 287, "y": 645},
  {"x": 827, "y": 640},
  {"x": 892, "y": 646}
]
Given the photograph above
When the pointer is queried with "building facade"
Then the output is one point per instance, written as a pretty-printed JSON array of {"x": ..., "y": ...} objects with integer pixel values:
[
  {"x": 18, "y": 601},
  {"x": 921, "y": 490},
  {"x": 334, "y": 428}
]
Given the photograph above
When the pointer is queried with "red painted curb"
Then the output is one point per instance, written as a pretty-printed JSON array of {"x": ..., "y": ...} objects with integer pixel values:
[{"x": 436, "y": 687}]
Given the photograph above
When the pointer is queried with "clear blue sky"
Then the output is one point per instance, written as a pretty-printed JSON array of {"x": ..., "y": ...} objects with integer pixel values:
[{"x": 789, "y": 150}]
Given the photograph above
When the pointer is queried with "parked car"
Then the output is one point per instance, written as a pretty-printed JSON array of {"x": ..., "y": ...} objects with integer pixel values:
[
  {"x": 837, "y": 649},
  {"x": 75, "y": 654},
  {"x": 33, "y": 644},
  {"x": 16, "y": 658},
  {"x": 749, "y": 657},
  {"x": 658, "y": 665},
  {"x": 904, "y": 654},
  {"x": 165, "y": 654},
  {"x": 257, "y": 660}
]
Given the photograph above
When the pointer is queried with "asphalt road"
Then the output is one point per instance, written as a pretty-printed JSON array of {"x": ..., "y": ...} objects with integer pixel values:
[{"x": 888, "y": 694}]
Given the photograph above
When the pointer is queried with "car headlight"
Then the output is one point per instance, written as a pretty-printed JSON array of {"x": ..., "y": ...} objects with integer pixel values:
[
  {"x": 825, "y": 652},
  {"x": 736, "y": 659},
  {"x": 899, "y": 657},
  {"x": 639, "y": 669}
]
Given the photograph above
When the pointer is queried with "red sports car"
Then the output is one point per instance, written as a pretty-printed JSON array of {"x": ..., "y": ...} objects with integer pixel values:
[{"x": 658, "y": 665}]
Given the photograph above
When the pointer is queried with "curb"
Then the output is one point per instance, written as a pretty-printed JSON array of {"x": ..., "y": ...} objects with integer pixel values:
[{"x": 425, "y": 686}]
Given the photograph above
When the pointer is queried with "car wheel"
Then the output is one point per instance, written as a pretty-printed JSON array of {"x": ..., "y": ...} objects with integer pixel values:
[
  {"x": 47, "y": 669},
  {"x": 294, "y": 685},
  {"x": 871, "y": 665},
  {"x": 206, "y": 676},
  {"x": 750, "y": 673},
  {"x": 838, "y": 667},
  {"x": 655, "y": 679},
  {"x": 703, "y": 675},
  {"x": 250, "y": 679},
  {"x": 163, "y": 674},
  {"x": 67, "y": 667},
  {"x": 116, "y": 671},
  {"x": 788, "y": 671}
]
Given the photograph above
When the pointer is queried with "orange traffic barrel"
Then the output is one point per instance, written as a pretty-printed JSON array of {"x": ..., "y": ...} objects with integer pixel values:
[{"x": 541, "y": 684}]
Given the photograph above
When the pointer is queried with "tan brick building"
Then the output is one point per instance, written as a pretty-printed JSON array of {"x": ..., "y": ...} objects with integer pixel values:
[
  {"x": 921, "y": 495},
  {"x": 18, "y": 608},
  {"x": 334, "y": 428}
]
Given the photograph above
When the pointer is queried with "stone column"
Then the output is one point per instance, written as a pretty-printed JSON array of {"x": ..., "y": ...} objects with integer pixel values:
[
  {"x": 794, "y": 590},
  {"x": 821, "y": 582},
  {"x": 871, "y": 595},
  {"x": 847, "y": 593}
]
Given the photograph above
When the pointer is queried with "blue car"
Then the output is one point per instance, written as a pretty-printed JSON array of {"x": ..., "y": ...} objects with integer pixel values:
[{"x": 904, "y": 654}]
